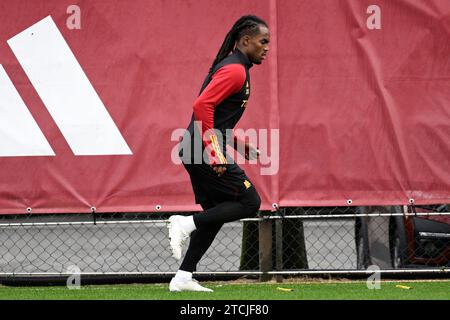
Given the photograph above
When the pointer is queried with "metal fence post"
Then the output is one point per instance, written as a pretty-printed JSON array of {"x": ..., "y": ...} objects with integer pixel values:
[
  {"x": 279, "y": 248},
  {"x": 265, "y": 248}
]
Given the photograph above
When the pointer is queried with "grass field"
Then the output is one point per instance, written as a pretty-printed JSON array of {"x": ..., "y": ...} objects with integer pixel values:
[{"x": 354, "y": 290}]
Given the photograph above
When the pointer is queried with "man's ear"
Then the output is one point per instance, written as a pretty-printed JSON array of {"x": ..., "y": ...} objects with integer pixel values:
[{"x": 245, "y": 40}]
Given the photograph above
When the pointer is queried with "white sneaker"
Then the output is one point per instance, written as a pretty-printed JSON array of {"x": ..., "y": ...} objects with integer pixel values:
[
  {"x": 177, "y": 236},
  {"x": 188, "y": 285}
]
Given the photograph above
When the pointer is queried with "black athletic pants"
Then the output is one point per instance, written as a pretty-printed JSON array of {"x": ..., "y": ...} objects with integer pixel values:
[{"x": 224, "y": 199}]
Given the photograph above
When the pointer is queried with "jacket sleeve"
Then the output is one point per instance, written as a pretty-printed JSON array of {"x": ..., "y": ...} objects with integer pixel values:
[{"x": 227, "y": 81}]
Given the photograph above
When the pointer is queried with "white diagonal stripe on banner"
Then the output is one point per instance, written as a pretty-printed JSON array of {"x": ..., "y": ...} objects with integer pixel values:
[
  {"x": 66, "y": 91},
  {"x": 19, "y": 133}
]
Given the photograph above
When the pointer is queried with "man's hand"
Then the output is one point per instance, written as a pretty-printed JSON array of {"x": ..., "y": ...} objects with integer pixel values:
[
  {"x": 251, "y": 152},
  {"x": 219, "y": 169},
  {"x": 246, "y": 149}
]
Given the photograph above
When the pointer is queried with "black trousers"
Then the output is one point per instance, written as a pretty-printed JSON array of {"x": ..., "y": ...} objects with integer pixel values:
[{"x": 224, "y": 199}]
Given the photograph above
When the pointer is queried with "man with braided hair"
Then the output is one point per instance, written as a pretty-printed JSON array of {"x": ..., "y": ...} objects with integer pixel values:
[{"x": 220, "y": 187}]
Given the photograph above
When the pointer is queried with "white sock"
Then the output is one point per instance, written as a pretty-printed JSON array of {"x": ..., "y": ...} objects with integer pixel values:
[
  {"x": 183, "y": 275},
  {"x": 187, "y": 223}
]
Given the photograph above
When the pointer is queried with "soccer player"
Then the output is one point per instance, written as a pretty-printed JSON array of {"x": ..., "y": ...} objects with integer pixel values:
[{"x": 220, "y": 186}]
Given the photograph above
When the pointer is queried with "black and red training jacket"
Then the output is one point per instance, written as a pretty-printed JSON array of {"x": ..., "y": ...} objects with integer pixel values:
[{"x": 220, "y": 104}]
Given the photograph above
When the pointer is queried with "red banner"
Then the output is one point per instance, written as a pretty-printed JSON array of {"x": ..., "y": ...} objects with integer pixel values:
[{"x": 353, "y": 102}]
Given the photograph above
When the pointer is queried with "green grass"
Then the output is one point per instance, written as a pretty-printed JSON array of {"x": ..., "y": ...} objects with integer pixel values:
[{"x": 357, "y": 290}]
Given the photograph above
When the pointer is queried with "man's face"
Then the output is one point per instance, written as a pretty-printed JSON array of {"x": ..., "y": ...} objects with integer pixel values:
[{"x": 258, "y": 45}]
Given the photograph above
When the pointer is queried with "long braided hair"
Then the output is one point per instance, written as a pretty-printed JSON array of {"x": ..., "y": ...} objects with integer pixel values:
[{"x": 245, "y": 25}]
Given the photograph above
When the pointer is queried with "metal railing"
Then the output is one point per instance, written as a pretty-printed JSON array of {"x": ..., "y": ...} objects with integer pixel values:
[{"x": 313, "y": 240}]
